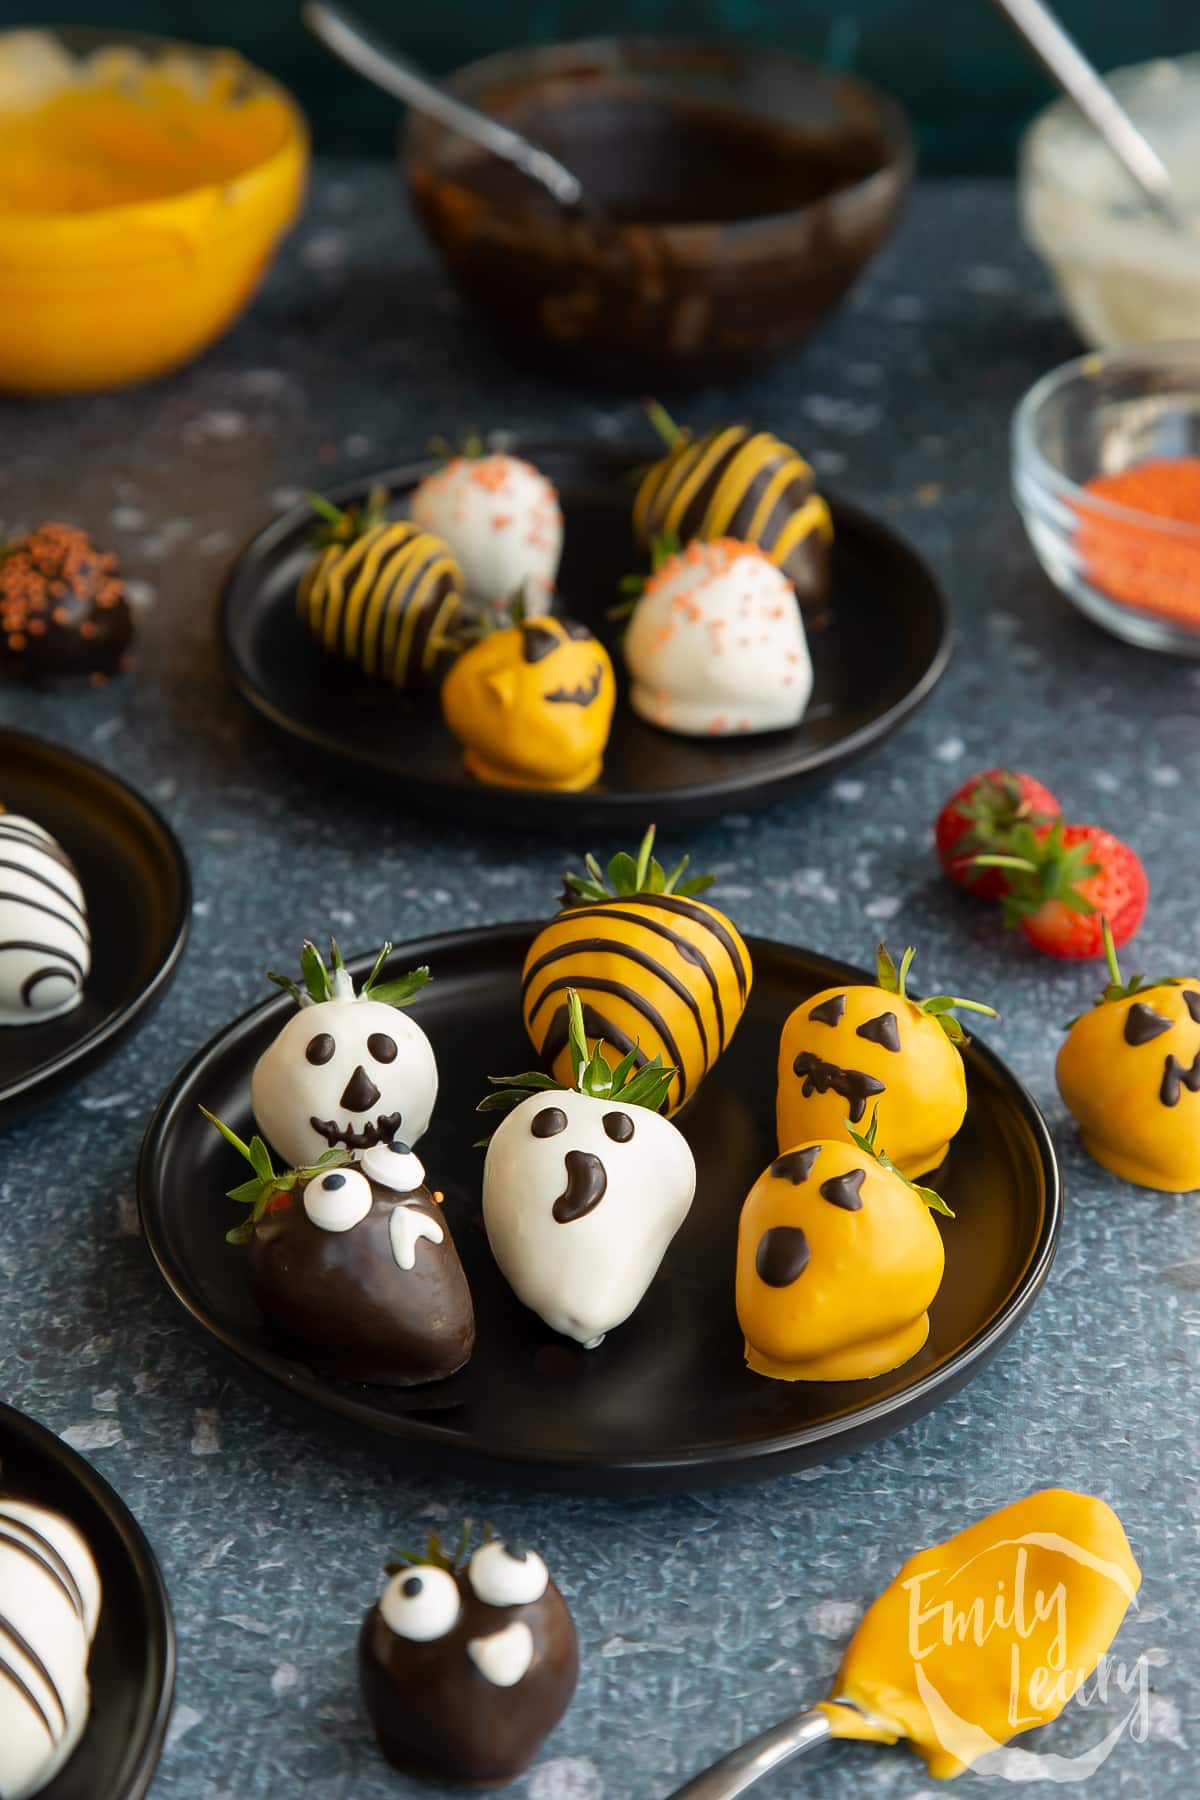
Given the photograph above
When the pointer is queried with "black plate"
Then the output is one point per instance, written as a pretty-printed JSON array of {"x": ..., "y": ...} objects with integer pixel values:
[
  {"x": 666, "y": 1401},
  {"x": 139, "y": 898},
  {"x": 886, "y": 646},
  {"x": 132, "y": 1668}
]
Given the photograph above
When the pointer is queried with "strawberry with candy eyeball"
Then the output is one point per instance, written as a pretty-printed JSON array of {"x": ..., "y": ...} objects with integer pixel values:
[
  {"x": 584, "y": 1187},
  {"x": 348, "y": 1070},
  {"x": 353, "y": 1265},
  {"x": 502, "y": 520}
]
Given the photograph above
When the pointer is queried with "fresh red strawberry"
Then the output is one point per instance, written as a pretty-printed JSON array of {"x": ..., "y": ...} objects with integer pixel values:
[
  {"x": 980, "y": 819},
  {"x": 1064, "y": 885}
]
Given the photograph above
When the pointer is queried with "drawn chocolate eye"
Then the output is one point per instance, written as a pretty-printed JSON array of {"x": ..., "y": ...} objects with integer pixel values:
[
  {"x": 338, "y": 1200},
  {"x": 503, "y": 1577},
  {"x": 382, "y": 1047},
  {"x": 320, "y": 1048},
  {"x": 549, "y": 1122},
  {"x": 421, "y": 1603},
  {"x": 618, "y": 1126},
  {"x": 537, "y": 642}
]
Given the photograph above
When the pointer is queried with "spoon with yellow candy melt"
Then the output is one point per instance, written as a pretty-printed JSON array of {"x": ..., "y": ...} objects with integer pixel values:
[{"x": 1002, "y": 1623}]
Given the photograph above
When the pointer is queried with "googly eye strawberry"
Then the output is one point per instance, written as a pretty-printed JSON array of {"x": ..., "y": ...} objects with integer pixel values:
[
  {"x": 353, "y": 1264},
  {"x": 348, "y": 1070},
  {"x": 584, "y": 1187},
  {"x": 467, "y": 1665}
]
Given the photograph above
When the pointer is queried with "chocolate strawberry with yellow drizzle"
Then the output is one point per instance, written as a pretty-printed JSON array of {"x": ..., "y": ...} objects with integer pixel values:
[
  {"x": 1130, "y": 1072},
  {"x": 737, "y": 483},
  {"x": 658, "y": 971},
  {"x": 381, "y": 593},
  {"x": 854, "y": 1047},
  {"x": 353, "y": 1264}
]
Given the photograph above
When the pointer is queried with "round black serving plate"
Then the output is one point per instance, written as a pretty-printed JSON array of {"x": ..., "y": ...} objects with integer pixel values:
[
  {"x": 666, "y": 1400},
  {"x": 139, "y": 899},
  {"x": 886, "y": 644},
  {"x": 132, "y": 1668}
]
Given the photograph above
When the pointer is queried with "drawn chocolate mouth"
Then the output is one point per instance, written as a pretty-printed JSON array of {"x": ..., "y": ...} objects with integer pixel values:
[
  {"x": 587, "y": 1184},
  {"x": 366, "y": 1137},
  {"x": 583, "y": 695}
]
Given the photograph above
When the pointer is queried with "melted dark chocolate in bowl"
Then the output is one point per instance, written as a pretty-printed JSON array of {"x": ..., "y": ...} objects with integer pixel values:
[{"x": 663, "y": 162}]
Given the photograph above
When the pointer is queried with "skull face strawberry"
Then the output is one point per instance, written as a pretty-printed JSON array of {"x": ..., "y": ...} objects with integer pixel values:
[
  {"x": 584, "y": 1187},
  {"x": 348, "y": 1070},
  {"x": 466, "y": 1666}
]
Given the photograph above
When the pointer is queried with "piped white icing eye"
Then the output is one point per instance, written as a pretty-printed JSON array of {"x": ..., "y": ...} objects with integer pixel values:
[
  {"x": 394, "y": 1166},
  {"x": 421, "y": 1603},
  {"x": 338, "y": 1200},
  {"x": 503, "y": 1577}
]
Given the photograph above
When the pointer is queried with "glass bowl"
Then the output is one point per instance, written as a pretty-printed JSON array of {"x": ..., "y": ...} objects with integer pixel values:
[
  {"x": 1124, "y": 275},
  {"x": 1132, "y": 571},
  {"x": 144, "y": 186},
  {"x": 737, "y": 195}
]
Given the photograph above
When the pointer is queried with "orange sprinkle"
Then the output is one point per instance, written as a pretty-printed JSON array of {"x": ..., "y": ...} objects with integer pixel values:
[{"x": 1138, "y": 564}]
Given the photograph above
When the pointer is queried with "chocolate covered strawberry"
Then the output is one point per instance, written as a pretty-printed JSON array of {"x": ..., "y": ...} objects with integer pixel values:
[
  {"x": 1064, "y": 887},
  {"x": 999, "y": 812}
]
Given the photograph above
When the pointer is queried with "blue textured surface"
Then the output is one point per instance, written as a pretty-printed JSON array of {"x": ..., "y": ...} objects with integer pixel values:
[{"x": 706, "y": 1617}]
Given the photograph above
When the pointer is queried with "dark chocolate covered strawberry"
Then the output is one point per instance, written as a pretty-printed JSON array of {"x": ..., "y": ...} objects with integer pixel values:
[
  {"x": 466, "y": 1666},
  {"x": 354, "y": 1266}
]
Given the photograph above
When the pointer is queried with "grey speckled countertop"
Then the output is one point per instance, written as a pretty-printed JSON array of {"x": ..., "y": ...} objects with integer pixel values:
[{"x": 704, "y": 1617}]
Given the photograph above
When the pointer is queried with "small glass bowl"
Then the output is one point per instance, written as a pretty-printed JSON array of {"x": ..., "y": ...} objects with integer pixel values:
[{"x": 1131, "y": 571}]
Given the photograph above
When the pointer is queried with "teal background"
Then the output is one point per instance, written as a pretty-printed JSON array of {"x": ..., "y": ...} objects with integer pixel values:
[{"x": 968, "y": 82}]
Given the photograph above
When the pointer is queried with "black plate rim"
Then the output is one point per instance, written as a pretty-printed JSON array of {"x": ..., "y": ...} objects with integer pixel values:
[
  {"x": 162, "y": 1659},
  {"x": 637, "y": 1473},
  {"x": 104, "y": 1034},
  {"x": 542, "y": 805}
]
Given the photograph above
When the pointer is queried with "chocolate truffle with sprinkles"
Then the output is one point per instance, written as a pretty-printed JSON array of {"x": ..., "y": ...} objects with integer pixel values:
[{"x": 63, "y": 611}]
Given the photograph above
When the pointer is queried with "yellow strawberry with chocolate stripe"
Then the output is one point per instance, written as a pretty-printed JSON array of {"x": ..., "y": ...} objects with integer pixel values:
[
  {"x": 855, "y": 1048},
  {"x": 1130, "y": 1072},
  {"x": 657, "y": 970}
]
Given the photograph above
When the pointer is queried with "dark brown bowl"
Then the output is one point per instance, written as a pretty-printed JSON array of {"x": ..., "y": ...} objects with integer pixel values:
[{"x": 737, "y": 194}]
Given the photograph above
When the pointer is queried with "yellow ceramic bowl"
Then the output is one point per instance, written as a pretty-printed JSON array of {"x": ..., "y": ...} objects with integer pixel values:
[{"x": 144, "y": 186}]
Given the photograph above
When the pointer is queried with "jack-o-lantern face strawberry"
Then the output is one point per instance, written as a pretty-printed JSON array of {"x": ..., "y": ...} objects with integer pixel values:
[
  {"x": 838, "y": 1261},
  {"x": 465, "y": 1669},
  {"x": 1130, "y": 1072},
  {"x": 532, "y": 705},
  {"x": 853, "y": 1049}
]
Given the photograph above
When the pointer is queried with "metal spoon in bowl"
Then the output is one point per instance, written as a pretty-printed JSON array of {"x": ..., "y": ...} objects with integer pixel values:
[
  {"x": 361, "y": 48},
  {"x": 1070, "y": 68}
]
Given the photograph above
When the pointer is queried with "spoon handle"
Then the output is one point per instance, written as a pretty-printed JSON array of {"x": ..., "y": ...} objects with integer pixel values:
[
  {"x": 750, "y": 1762},
  {"x": 1095, "y": 99},
  {"x": 359, "y": 46}
]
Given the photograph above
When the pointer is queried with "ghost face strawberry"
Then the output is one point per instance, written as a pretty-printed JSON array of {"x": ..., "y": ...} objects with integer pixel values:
[
  {"x": 982, "y": 818},
  {"x": 584, "y": 1187}
]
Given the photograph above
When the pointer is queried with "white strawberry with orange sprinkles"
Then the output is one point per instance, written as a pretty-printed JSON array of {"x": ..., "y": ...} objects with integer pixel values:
[
  {"x": 501, "y": 518},
  {"x": 716, "y": 646}
]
